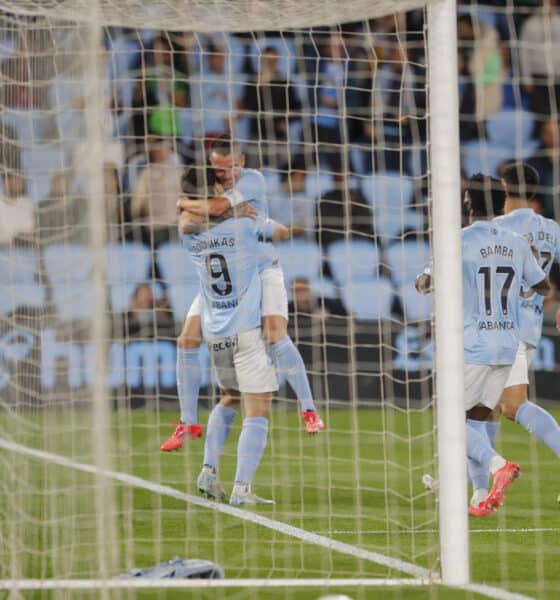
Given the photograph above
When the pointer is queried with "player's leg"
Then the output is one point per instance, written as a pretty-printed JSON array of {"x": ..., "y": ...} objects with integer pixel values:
[
  {"x": 189, "y": 377},
  {"x": 285, "y": 355},
  {"x": 257, "y": 380},
  {"x": 218, "y": 429},
  {"x": 483, "y": 387},
  {"x": 516, "y": 406}
]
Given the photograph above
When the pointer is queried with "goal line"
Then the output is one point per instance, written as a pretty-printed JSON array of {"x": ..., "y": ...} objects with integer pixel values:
[{"x": 420, "y": 576}]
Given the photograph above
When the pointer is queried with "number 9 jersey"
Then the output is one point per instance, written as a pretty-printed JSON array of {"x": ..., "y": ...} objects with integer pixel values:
[
  {"x": 545, "y": 235},
  {"x": 496, "y": 262},
  {"x": 227, "y": 259}
]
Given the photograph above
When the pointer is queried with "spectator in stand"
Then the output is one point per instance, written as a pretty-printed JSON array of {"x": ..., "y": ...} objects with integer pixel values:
[
  {"x": 545, "y": 161},
  {"x": 481, "y": 74},
  {"x": 17, "y": 219},
  {"x": 273, "y": 106},
  {"x": 214, "y": 95},
  {"x": 391, "y": 123},
  {"x": 539, "y": 51},
  {"x": 292, "y": 206},
  {"x": 329, "y": 132},
  {"x": 155, "y": 193},
  {"x": 342, "y": 212},
  {"x": 149, "y": 317},
  {"x": 62, "y": 209},
  {"x": 160, "y": 90},
  {"x": 305, "y": 303}
]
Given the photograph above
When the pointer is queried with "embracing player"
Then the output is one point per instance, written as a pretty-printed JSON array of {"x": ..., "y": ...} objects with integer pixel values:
[
  {"x": 226, "y": 256},
  {"x": 496, "y": 262},
  {"x": 239, "y": 185}
]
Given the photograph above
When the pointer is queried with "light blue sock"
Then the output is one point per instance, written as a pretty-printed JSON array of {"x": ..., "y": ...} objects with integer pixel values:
[
  {"x": 189, "y": 377},
  {"x": 478, "y": 446},
  {"x": 478, "y": 473},
  {"x": 288, "y": 362},
  {"x": 218, "y": 429},
  {"x": 250, "y": 448},
  {"x": 492, "y": 429},
  {"x": 541, "y": 424}
]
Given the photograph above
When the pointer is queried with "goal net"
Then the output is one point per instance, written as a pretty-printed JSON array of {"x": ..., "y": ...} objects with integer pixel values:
[{"x": 102, "y": 106}]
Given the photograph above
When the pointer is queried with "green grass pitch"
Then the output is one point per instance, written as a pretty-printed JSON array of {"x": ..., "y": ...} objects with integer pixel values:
[{"x": 362, "y": 488}]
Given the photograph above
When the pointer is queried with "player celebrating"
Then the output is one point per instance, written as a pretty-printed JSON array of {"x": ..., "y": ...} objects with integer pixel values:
[
  {"x": 227, "y": 261},
  {"x": 520, "y": 182},
  {"x": 241, "y": 185},
  {"x": 495, "y": 263}
]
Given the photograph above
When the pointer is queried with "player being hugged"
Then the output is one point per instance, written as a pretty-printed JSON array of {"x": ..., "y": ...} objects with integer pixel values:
[{"x": 239, "y": 186}]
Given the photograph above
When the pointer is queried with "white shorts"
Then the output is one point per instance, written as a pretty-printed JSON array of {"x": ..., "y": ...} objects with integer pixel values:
[
  {"x": 274, "y": 299},
  {"x": 484, "y": 384},
  {"x": 242, "y": 363},
  {"x": 519, "y": 373}
]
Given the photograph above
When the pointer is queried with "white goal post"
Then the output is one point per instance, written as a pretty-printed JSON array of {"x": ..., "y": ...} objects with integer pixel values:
[{"x": 444, "y": 175}]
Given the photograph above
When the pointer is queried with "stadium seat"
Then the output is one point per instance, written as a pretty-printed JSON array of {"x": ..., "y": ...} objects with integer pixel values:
[
  {"x": 175, "y": 265},
  {"x": 126, "y": 266},
  {"x": 180, "y": 297},
  {"x": 510, "y": 128},
  {"x": 416, "y": 307},
  {"x": 40, "y": 163},
  {"x": 390, "y": 222},
  {"x": 353, "y": 260},
  {"x": 407, "y": 259},
  {"x": 29, "y": 125},
  {"x": 18, "y": 274},
  {"x": 481, "y": 157},
  {"x": 318, "y": 183},
  {"x": 299, "y": 258},
  {"x": 368, "y": 299},
  {"x": 386, "y": 190},
  {"x": 68, "y": 268}
]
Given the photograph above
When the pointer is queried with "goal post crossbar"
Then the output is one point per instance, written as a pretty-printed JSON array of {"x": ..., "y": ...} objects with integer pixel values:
[{"x": 217, "y": 15}]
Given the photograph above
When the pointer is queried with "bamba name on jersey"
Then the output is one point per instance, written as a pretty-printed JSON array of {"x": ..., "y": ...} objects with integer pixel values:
[
  {"x": 497, "y": 249},
  {"x": 212, "y": 243}
]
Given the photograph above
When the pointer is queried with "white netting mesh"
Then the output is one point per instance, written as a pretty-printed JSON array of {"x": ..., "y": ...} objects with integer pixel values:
[
  {"x": 215, "y": 15},
  {"x": 340, "y": 131}
]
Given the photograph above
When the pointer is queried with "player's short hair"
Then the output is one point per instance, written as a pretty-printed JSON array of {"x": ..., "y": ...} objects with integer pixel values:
[
  {"x": 521, "y": 180},
  {"x": 198, "y": 182},
  {"x": 486, "y": 194},
  {"x": 224, "y": 145}
]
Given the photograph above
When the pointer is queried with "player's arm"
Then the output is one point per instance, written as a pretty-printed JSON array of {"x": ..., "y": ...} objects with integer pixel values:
[
  {"x": 533, "y": 275},
  {"x": 190, "y": 223},
  {"x": 275, "y": 231},
  {"x": 204, "y": 207}
]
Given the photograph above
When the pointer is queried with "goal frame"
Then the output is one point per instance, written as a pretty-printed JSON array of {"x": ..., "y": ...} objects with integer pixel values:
[{"x": 446, "y": 225}]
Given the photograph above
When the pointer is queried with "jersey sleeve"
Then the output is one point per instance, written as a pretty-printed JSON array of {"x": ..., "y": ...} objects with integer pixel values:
[
  {"x": 266, "y": 227},
  {"x": 532, "y": 273},
  {"x": 251, "y": 186}
]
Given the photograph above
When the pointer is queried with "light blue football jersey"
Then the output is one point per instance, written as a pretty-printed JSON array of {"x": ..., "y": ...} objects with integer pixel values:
[
  {"x": 251, "y": 187},
  {"x": 545, "y": 235},
  {"x": 495, "y": 263},
  {"x": 227, "y": 259}
]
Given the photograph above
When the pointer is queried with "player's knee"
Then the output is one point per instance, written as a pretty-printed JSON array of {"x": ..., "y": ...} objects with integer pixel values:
[
  {"x": 510, "y": 407},
  {"x": 511, "y": 401}
]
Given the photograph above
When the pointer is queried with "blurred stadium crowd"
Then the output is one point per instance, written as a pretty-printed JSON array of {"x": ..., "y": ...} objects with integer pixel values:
[{"x": 335, "y": 118}]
